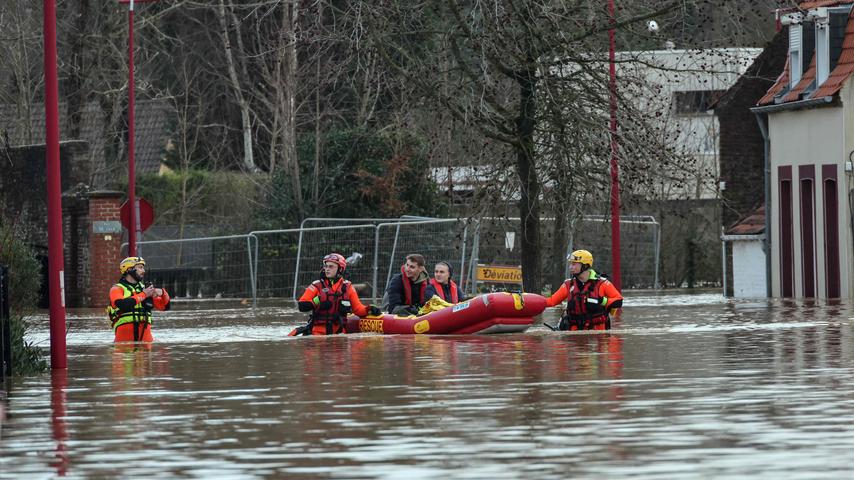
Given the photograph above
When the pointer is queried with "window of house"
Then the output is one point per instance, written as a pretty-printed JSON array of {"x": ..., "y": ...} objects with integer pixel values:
[{"x": 695, "y": 101}]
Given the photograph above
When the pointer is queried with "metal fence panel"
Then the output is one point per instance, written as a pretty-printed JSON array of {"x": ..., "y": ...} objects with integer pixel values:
[
  {"x": 201, "y": 267},
  {"x": 639, "y": 247},
  {"x": 280, "y": 263},
  {"x": 289, "y": 260},
  {"x": 437, "y": 240},
  {"x": 498, "y": 243}
]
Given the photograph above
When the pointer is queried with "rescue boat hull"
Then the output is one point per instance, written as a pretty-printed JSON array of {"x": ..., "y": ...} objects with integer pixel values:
[{"x": 489, "y": 313}]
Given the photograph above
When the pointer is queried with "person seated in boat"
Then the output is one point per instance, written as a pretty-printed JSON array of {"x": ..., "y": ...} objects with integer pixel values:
[
  {"x": 590, "y": 297},
  {"x": 442, "y": 285},
  {"x": 404, "y": 294},
  {"x": 131, "y": 302},
  {"x": 330, "y": 299}
]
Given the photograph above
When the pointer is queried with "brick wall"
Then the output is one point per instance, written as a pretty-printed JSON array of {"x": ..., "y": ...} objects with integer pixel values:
[
  {"x": 742, "y": 149},
  {"x": 104, "y": 248}
]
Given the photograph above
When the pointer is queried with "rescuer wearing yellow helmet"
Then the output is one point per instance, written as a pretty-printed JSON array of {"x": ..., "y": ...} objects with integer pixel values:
[
  {"x": 589, "y": 296},
  {"x": 131, "y": 302}
]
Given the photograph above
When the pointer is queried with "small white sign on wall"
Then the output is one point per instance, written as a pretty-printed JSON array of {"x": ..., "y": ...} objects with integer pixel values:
[{"x": 509, "y": 240}]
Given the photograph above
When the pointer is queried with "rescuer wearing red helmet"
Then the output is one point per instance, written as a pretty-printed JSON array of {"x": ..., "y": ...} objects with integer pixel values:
[
  {"x": 330, "y": 299},
  {"x": 589, "y": 296},
  {"x": 131, "y": 302}
]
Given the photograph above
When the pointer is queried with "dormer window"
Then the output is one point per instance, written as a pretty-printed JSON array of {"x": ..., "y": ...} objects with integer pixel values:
[
  {"x": 796, "y": 59},
  {"x": 801, "y": 49},
  {"x": 830, "y": 26}
]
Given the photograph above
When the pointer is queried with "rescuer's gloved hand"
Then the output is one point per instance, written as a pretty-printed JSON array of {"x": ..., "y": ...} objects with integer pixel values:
[{"x": 374, "y": 311}]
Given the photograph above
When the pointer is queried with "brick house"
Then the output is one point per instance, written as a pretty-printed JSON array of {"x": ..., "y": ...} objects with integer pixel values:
[
  {"x": 92, "y": 233},
  {"x": 808, "y": 119},
  {"x": 742, "y": 174}
]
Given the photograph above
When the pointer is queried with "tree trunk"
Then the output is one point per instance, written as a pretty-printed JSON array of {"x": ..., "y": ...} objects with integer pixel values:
[
  {"x": 529, "y": 201},
  {"x": 315, "y": 180},
  {"x": 290, "y": 17},
  {"x": 245, "y": 119},
  {"x": 77, "y": 96}
]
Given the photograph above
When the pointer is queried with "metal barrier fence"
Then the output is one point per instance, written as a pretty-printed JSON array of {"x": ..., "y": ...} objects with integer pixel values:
[
  {"x": 497, "y": 242},
  {"x": 201, "y": 267},
  {"x": 288, "y": 260},
  {"x": 5, "y": 325},
  {"x": 280, "y": 263}
]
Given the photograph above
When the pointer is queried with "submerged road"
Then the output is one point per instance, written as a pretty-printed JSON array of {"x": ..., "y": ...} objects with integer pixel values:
[{"x": 684, "y": 386}]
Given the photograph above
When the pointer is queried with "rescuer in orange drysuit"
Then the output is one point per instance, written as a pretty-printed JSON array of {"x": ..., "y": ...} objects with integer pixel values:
[
  {"x": 330, "y": 299},
  {"x": 589, "y": 296}
]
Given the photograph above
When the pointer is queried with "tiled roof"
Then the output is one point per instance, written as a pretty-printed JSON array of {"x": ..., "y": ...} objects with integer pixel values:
[
  {"x": 844, "y": 67},
  {"x": 152, "y": 132},
  {"x": 806, "y": 5},
  {"x": 778, "y": 86},
  {"x": 753, "y": 224}
]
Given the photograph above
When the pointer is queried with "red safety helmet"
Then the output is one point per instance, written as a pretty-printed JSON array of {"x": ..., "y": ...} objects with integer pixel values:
[{"x": 338, "y": 259}]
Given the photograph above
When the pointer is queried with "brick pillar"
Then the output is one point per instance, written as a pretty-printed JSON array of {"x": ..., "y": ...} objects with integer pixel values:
[{"x": 105, "y": 242}]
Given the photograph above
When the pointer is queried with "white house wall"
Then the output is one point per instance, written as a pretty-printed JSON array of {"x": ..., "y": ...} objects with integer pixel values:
[
  {"x": 659, "y": 75},
  {"x": 810, "y": 137},
  {"x": 846, "y": 194}
]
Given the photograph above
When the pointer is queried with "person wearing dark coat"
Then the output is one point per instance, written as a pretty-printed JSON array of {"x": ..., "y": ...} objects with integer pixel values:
[{"x": 404, "y": 294}]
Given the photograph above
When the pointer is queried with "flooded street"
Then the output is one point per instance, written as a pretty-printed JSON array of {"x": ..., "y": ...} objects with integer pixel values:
[{"x": 684, "y": 386}]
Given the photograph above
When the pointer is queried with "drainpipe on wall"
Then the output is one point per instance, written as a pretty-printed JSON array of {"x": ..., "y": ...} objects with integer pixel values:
[{"x": 762, "y": 120}]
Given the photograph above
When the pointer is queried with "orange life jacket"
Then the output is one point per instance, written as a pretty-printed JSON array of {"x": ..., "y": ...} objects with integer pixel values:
[
  {"x": 407, "y": 289},
  {"x": 455, "y": 297},
  {"x": 580, "y": 314},
  {"x": 333, "y": 319}
]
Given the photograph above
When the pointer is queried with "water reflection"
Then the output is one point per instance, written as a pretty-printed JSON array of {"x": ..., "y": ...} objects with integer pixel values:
[
  {"x": 58, "y": 385},
  {"x": 678, "y": 389}
]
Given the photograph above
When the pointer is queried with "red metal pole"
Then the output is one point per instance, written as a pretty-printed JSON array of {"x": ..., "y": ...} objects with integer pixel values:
[
  {"x": 132, "y": 217},
  {"x": 56, "y": 257},
  {"x": 615, "y": 178}
]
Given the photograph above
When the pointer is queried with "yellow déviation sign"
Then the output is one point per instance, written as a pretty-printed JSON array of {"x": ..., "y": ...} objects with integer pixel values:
[{"x": 499, "y": 274}]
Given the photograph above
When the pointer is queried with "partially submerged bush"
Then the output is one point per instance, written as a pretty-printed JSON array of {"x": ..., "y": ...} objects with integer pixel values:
[{"x": 24, "y": 272}]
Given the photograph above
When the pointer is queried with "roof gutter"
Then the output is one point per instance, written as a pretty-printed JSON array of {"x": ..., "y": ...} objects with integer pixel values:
[{"x": 801, "y": 104}]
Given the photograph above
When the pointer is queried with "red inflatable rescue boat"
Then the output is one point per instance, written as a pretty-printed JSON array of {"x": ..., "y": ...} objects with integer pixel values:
[{"x": 489, "y": 313}]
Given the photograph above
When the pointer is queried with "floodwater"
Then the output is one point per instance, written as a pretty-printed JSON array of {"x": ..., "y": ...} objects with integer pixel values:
[{"x": 684, "y": 386}]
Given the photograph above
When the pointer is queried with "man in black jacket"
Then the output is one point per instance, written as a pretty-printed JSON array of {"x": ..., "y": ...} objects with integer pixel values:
[{"x": 404, "y": 294}]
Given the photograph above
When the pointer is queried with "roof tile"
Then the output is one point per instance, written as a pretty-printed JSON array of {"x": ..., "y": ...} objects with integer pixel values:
[
  {"x": 843, "y": 71},
  {"x": 777, "y": 88},
  {"x": 806, "y": 5},
  {"x": 753, "y": 224},
  {"x": 807, "y": 80}
]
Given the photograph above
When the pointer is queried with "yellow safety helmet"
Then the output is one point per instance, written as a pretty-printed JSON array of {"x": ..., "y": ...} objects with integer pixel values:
[
  {"x": 581, "y": 256},
  {"x": 128, "y": 263}
]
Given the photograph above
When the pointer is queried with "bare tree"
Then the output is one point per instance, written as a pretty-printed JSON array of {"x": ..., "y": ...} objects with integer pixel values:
[{"x": 225, "y": 15}]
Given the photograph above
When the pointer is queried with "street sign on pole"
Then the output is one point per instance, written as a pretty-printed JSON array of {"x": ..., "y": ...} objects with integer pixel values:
[{"x": 145, "y": 218}]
